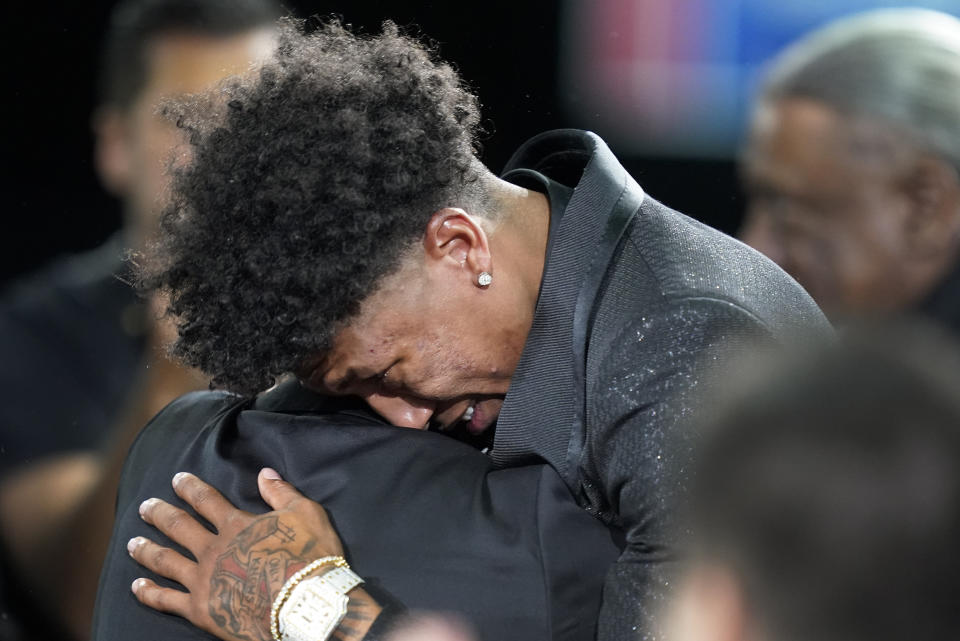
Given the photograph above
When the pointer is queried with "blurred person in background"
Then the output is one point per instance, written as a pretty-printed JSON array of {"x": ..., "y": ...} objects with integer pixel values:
[
  {"x": 81, "y": 359},
  {"x": 851, "y": 167},
  {"x": 826, "y": 500}
]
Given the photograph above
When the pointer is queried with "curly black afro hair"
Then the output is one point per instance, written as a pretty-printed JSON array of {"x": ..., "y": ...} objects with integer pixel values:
[{"x": 307, "y": 183}]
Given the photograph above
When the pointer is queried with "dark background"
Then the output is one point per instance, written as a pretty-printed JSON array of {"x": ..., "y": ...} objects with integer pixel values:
[{"x": 507, "y": 51}]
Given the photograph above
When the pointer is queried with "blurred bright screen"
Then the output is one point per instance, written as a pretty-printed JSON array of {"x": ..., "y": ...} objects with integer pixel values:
[{"x": 675, "y": 77}]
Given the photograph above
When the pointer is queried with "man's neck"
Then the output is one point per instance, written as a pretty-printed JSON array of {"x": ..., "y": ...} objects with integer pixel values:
[{"x": 521, "y": 234}]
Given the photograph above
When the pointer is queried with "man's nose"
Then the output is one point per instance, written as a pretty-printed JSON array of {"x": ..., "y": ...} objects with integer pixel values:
[{"x": 402, "y": 411}]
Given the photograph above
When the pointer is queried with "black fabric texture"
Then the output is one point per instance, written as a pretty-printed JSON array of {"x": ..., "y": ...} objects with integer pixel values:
[
  {"x": 427, "y": 521},
  {"x": 677, "y": 300}
]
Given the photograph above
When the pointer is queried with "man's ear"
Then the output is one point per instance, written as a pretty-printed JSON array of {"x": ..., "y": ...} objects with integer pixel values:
[
  {"x": 112, "y": 150},
  {"x": 933, "y": 192},
  {"x": 457, "y": 238}
]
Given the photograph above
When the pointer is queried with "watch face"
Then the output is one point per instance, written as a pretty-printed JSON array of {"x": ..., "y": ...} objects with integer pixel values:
[{"x": 312, "y": 612}]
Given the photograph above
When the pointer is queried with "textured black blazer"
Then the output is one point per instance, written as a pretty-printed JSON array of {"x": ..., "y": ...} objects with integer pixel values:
[
  {"x": 424, "y": 519},
  {"x": 638, "y": 302}
]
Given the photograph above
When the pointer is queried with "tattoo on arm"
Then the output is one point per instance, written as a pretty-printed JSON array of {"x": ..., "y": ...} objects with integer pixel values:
[{"x": 362, "y": 610}]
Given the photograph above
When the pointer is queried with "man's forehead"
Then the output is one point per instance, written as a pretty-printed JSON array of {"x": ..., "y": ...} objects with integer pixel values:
[
  {"x": 353, "y": 347},
  {"x": 796, "y": 124},
  {"x": 811, "y": 132},
  {"x": 374, "y": 336},
  {"x": 800, "y": 147}
]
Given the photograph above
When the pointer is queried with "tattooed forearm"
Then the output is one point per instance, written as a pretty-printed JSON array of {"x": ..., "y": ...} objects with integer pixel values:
[{"x": 362, "y": 611}]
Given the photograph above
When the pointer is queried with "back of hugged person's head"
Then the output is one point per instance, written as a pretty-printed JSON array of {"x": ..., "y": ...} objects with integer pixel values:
[{"x": 826, "y": 503}]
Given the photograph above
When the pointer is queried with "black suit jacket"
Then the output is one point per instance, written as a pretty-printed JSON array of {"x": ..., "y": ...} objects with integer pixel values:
[
  {"x": 638, "y": 303},
  {"x": 424, "y": 519}
]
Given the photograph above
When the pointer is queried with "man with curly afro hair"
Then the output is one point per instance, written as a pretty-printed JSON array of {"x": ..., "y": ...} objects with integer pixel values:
[{"x": 334, "y": 223}]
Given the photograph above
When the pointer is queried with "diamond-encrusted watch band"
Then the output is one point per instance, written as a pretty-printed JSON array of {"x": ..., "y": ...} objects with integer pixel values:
[
  {"x": 316, "y": 605},
  {"x": 341, "y": 578},
  {"x": 292, "y": 583}
]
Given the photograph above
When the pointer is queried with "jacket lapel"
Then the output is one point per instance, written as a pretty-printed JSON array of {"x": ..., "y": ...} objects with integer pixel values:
[{"x": 544, "y": 405}]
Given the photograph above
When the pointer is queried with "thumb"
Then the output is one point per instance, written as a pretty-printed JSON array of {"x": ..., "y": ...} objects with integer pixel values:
[{"x": 275, "y": 491}]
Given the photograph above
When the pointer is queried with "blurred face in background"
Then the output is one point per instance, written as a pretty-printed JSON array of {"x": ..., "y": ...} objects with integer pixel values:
[
  {"x": 862, "y": 220},
  {"x": 136, "y": 146}
]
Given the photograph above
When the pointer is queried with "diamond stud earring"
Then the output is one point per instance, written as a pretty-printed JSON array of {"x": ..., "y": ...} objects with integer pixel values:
[{"x": 484, "y": 279}]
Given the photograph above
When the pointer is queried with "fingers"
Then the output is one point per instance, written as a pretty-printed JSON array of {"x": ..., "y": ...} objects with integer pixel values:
[
  {"x": 164, "y": 561},
  {"x": 163, "y": 599},
  {"x": 275, "y": 491},
  {"x": 175, "y": 523},
  {"x": 204, "y": 498}
]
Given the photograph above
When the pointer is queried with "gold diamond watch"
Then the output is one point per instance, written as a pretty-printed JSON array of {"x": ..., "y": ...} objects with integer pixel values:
[{"x": 316, "y": 606}]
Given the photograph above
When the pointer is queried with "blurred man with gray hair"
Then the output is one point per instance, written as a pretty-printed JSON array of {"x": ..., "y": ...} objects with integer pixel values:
[{"x": 851, "y": 165}]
